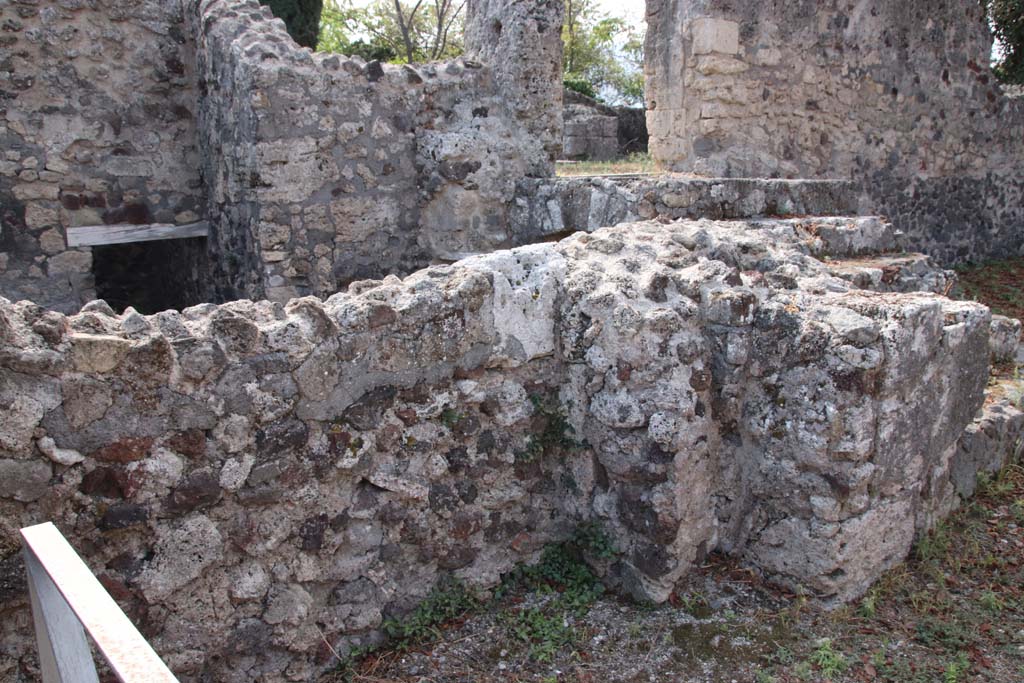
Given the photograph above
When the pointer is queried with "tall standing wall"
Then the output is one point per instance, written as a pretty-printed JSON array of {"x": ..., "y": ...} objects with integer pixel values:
[
  {"x": 896, "y": 95},
  {"x": 97, "y": 104}
]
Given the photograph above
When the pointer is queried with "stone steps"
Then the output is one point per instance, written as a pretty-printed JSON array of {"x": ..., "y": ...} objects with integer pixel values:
[
  {"x": 554, "y": 206},
  {"x": 894, "y": 273}
]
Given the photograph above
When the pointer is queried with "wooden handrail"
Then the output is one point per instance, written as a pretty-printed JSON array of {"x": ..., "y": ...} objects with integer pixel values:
[{"x": 67, "y": 598}]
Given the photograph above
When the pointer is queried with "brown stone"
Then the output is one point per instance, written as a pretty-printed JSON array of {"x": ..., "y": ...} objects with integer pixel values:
[
  {"x": 105, "y": 482},
  {"x": 128, "y": 449},
  {"x": 201, "y": 489},
  {"x": 190, "y": 443}
]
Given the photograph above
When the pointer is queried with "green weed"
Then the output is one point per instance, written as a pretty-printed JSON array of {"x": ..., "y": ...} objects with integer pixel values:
[
  {"x": 956, "y": 670},
  {"x": 829, "y": 662},
  {"x": 555, "y": 433},
  {"x": 449, "y": 600},
  {"x": 545, "y": 630},
  {"x": 991, "y": 602}
]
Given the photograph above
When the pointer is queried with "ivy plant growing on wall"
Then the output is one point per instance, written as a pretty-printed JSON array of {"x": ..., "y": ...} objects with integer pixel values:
[
  {"x": 302, "y": 17},
  {"x": 1007, "y": 18}
]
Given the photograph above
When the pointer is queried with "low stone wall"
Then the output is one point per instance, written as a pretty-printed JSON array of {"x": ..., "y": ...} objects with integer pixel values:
[
  {"x": 324, "y": 169},
  {"x": 251, "y": 479},
  {"x": 598, "y": 132}
]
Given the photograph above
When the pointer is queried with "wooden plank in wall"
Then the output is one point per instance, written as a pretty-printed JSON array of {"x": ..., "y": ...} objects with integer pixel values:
[{"x": 98, "y": 235}]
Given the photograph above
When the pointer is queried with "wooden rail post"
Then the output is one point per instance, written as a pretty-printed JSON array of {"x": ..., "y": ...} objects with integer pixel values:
[{"x": 67, "y": 603}]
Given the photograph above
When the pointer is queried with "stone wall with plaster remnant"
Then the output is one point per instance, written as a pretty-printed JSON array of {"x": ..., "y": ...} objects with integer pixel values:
[
  {"x": 896, "y": 95},
  {"x": 97, "y": 104},
  {"x": 251, "y": 478}
]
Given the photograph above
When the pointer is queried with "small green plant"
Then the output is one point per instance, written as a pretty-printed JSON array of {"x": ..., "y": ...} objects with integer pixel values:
[
  {"x": 580, "y": 84},
  {"x": 934, "y": 545},
  {"x": 829, "y": 662},
  {"x": 869, "y": 605},
  {"x": 555, "y": 433},
  {"x": 991, "y": 602},
  {"x": 694, "y": 604},
  {"x": 762, "y": 676},
  {"x": 561, "y": 570},
  {"x": 593, "y": 540},
  {"x": 449, "y": 600},
  {"x": 450, "y": 417},
  {"x": 957, "y": 669},
  {"x": 544, "y": 630},
  {"x": 782, "y": 655},
  {"x": 803, "y": 671}
]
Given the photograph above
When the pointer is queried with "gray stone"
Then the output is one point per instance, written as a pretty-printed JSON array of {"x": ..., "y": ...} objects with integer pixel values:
[{"x": 24, "y": 480}]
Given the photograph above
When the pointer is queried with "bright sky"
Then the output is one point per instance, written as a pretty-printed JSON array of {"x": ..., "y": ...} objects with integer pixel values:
[{"x": 632, "y": 9}]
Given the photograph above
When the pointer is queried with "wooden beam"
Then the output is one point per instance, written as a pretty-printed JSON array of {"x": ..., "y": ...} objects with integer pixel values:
[
  {"x": 97, "y": 235},
  {"x": 61, "y": 580}
]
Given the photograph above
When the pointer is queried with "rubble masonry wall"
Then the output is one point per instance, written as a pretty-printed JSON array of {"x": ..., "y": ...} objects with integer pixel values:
[
  {"x": 244, "y": 477},
  {"x": 897, "y": 96}
]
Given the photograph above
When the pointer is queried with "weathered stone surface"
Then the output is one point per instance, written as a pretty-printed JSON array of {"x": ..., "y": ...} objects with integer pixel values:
[
  {"x": 181, "y": 555},
  {"x": 1005, "y": 339},
  {"x": 24, "y": 480}
]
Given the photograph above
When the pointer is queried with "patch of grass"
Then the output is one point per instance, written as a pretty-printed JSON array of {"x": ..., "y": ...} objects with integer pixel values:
[
  {"x": 997, "y": 285},
  {"x": 450, "y": 600},
  {"x": 828, "y": 661},
  {"x": 634, "y": 163},
  {"x": 956, "y": 671}
]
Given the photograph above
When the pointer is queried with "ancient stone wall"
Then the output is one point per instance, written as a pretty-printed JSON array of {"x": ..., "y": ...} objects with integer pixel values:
[
  {"x": 319, "y": 169},
  {"x": 522, "y": 42},
  {"x": 596, "y": 131},
  {"x": 323, "y": 169},
  {"x": 97, "y": 105},
  {"x": 251, "y": 478},
  {"x": 896, "y": 95}
]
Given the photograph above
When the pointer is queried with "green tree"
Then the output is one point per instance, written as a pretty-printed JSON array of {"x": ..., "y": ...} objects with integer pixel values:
[
  {"x": 302, "y": 17},
  {"x": 1007, "y": 18},
  {"x": 602, "y": 50},
  {"x": 406, "y": 31}
]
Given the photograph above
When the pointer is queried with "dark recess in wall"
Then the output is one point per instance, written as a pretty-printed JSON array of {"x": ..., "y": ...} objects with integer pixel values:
[{"x": 152, "y": 276}]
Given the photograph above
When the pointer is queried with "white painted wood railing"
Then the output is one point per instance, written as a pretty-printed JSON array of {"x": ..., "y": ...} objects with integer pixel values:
[{"x": 67, "y": 602}]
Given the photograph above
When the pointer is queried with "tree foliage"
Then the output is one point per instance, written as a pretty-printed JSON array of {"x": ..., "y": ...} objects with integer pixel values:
[
  {"x": 1007, "y": 18},
  {"x": 407, "y": 31},
  {"x": 603, "y": 51},
  {"x": 302, "y": 17}
]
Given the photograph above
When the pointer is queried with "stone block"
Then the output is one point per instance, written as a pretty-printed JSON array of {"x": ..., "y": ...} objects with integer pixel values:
[{"x": 710, "y": 35}]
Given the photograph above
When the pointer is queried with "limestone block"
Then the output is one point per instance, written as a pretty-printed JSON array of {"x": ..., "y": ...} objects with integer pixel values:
[
  {"x": 183, "y": 552},
  {"x": 710, "y": 35},
  {"x": 1005, "y": 339}
]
